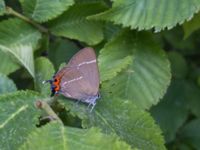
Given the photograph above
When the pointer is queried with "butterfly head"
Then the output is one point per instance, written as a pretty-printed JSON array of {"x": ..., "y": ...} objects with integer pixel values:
[{"x": 55, "y": 85}]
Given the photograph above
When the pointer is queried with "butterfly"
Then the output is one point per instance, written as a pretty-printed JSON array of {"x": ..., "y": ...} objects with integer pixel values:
[{"x": 79, "y": 79}]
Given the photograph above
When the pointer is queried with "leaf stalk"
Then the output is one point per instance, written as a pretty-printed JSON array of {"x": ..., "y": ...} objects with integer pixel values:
[
  {"x": 45, "y": 106},
  {"x": 10, "y": 11}
]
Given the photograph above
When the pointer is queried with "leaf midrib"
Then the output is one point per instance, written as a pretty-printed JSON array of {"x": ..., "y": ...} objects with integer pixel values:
[
  {"x": 19, "y": 59},
  {"x": 105, "y": 121},
  {"x": 13, "y": 115}
]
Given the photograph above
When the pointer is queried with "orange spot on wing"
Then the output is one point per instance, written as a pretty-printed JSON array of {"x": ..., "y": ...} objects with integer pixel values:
[{"x": 57, "y": 80}]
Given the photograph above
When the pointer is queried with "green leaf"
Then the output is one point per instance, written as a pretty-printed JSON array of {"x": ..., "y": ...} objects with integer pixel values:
[
  {"x": 7, "y": 85},
  {"x": 122, "y": 117},
  {"x": 192, "y": 94},
  {"x": 145, "y": 14},
  {"x": 179, "y": 65},
  {"x": 44, "y": 70},
  {"x": 172, "y": 111},
  {"x": 43, "y": 46},
  {"x": 175, "y": 40},
  {"x": 88, "y": 1},
  {"x": 146, "y": 79},
  {"x": 18, "y": 118},
  {"x": 111, "y": 30},
  {"x": 190, "y": 134},
  {"x": 44, "y": 10},
  {"x": 19, "y": 39},
  {"x": 2, "y": 7},
  {"x": 61, "y": 50},
  {"x": 114, "y": 57},
  {"x": 73, "y": 24},
  {"x": 191, "y": 26},
  {"x": 8, "y": 65},
  {"x": 56, "y": 136},
  {"x": 182, "y": 146}
]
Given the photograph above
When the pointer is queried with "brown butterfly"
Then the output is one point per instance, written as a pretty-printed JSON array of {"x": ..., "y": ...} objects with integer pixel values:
[{"x": 79, "y": 79}]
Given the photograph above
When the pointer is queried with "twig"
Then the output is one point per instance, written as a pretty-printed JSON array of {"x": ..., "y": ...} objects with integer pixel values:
[
  {"x": 10, "y": 11},
  {"x": 45, "y": 106}
]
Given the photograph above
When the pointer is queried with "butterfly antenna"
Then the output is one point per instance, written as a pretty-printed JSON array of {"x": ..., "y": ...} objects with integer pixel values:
[{"x": 46, "y": 81}]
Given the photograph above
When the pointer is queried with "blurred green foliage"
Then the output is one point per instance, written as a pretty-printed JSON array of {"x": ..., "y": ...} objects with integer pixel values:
[{"x": 149, "y": 62}]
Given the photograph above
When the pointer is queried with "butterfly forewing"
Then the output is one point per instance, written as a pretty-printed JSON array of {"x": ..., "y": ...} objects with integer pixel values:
[
  {"x": 86, "y": 62},
  {"x": 79, "y": 79}
]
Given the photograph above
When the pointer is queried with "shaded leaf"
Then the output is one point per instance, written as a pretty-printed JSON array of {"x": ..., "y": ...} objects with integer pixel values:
[
  {"x": 66, "y": 138},
  {"x": 179, "y": 65},
  {"x": 88, "y": 1},
  {"x": 192, "y": 94},
  {"x": 122, "y": 117},
  {"x": 44, "y": 10},
  {"x": 145, "y": 14},
  {"x": 19, "y": 39},
  {"x": 172, "y": 111},
  {"x": 61, "y": 51},
  {"x": 190, "y": 134},
  {"x": 198, "y": 81},
  {"x": 146, "y": 79},
  {"x": 44, "y": 70},
  {"x": 174, "y": 37},
  {"x": 183, "y": 146},
  {"x": 2, "y": 7},
  {"x": 18, "y": 118},
  {"x": 110, "y": 30},
  {"x": 7, "y": 85},
  {"x": 43, "y": 46},
  {"x": 8, "y": 65},
  {"x": 191, "y": 26},
  {"x": 73, "y": 24}
]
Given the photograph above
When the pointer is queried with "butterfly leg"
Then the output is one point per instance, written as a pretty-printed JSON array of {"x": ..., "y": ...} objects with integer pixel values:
[{"x": 92, "y": 103}]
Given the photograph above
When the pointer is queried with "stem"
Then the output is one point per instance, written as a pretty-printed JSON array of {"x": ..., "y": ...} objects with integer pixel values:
[
  {"x": 10, "y": 11},
  {"x": 45, "y": 106}
]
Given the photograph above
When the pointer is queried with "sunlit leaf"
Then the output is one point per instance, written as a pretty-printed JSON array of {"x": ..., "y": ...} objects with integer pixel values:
[
  {"x": 73, "y": 24},
  {"x": 44, "y": 10},
  {"x": 122, "y": 117},
  {"x": 8, "y": 65},
  {"x": 19, "y": 39},
  {"x": 66, "y": 138},
  {"x": 143, "y": 14},
  {"x": 114, "y": 57},
  {"x": 18, "y": 118},
  {"x": 146, "y": 79},
  {"x": 44, "y": 70}
]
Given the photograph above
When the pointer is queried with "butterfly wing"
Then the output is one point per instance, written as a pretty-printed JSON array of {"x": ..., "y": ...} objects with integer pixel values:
[
  {"x": 85, "y": 61},
  {"x": 74, "y": 85}
]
